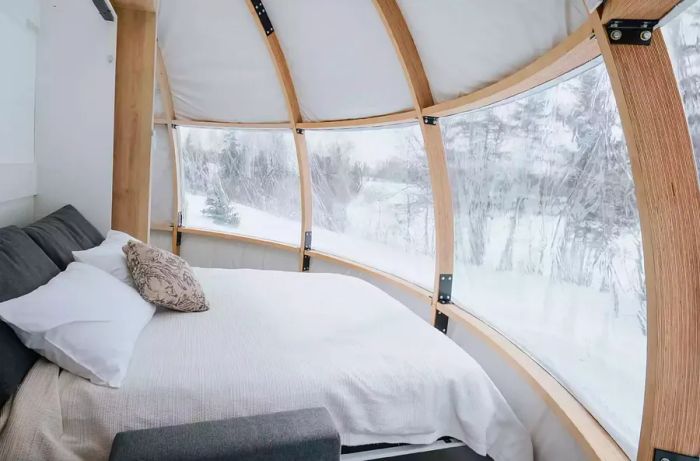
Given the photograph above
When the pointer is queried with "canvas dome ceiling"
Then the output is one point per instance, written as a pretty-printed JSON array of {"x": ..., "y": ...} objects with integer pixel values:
[{"x": 341, "y": 59}]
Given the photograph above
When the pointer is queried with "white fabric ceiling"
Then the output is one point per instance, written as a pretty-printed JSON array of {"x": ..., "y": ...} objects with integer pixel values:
[
  {"x": 217, "y": 62},
  {"x": 341, "y": 58},
  {"x": 466, "y": 45}
]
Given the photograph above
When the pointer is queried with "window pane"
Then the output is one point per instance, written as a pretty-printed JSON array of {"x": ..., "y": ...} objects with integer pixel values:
[
  {"x": 683, "y": 41},
  {"x": 241, "y": 181},
  {"x": 372, "y": 201},
  {"x": 548, "y": 244}
]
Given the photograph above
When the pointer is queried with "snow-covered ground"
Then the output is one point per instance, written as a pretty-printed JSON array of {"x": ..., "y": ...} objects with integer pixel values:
[
  {"x": 412, "y": 266},
  {"x": 573, "y": 332}
]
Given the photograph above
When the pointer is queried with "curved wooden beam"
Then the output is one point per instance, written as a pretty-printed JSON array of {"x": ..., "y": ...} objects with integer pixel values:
[
  {"x": 237, "y": 125},
  {"x": 377, "y": 120},
  {"x": 166, "y": 98},
  {"x": 668, "y": 196},
  {"x": 405, "y": 285},
  {"x": 576, "y": 50},
  {"x": 285, "y": 78},
  {"x": 241, "y": 238},
  {"x": 397, "y": 29}
]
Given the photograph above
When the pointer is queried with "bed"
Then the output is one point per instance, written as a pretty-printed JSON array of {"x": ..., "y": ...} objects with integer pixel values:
[{"x": 274, "y": 341}]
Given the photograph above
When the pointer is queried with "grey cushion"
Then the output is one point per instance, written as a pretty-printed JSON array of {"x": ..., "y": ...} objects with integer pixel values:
[
  {"x": 23, "y": 268},
  {"x": 62, "y": 232},
  {"x": 301, "y": 435}
]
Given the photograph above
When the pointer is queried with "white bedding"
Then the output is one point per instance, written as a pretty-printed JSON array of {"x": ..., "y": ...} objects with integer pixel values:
[{"x": 275, "y": 341}]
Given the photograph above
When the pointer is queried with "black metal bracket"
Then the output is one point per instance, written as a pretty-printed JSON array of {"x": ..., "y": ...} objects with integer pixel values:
[
  {"x": 300, "y": 131},
  {"x": 428, "y": 120},
  {"x": 441, "y": 321},
  {"x": 445, "y": 289},
  {"x": 262, "y": 15},
  {"x": 307, "y": 240},
  {"x": 631, "y": 31},
  {"x": 178, "y": 235},
  {"x": 444, "y": 297},
  {"x": 663, "y": 455},
  {"x": 306, "y": 263},
  {"x": 104, "y": 10}
]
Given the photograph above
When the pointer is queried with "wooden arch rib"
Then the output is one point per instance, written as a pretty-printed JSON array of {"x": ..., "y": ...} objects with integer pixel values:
[
  {"x": 668, "y": 196},
  {"x": 166, "y": 98},
  {"x": 432, "y": 137},
  {"x": 596, "y": 441},
  {"x": 285, "y": 78}
]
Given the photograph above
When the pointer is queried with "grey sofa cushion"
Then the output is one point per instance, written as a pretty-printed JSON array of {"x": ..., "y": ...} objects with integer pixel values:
[
  {"x": 62, "y": 232},
  {"x": 301, "y": 435},
  {"x": 23, "y": 268}
]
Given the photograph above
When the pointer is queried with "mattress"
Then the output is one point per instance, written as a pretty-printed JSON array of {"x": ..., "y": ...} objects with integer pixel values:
[{"x": 275, "y": 341}]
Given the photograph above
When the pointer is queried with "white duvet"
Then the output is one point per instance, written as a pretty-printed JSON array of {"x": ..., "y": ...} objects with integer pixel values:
[{"x": 275, "y": 341}]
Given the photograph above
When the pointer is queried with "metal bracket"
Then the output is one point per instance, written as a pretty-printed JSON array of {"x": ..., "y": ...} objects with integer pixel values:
[
  {"x": 631, "y": 31},
  {"x": 306, "y": 263},
  {"x": 104, "y": 10},
  {"x": 178, "y": 235},
  {"x": 445, "y": 289},
  {"x": 663, "y": 455},
  {"x": 428, "y": 120},
  {"x": 262, "y": 15},
  {"x": 307, "y": 240},
  {"x": 300, "y": 131},
  {"x": 441, "y": 321}
]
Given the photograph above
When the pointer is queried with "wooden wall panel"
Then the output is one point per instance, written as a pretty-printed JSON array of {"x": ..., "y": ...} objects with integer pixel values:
[
  {"x": 133, "y": 121},
  {"x": 668, "y": 197}
]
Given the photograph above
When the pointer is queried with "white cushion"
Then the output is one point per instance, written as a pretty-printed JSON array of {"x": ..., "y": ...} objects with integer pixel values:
[
  {"x": 83, "y": 320},
  {"x": 109, "y": 256}
]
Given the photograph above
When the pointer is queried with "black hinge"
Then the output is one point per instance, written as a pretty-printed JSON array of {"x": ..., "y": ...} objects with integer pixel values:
[
  {"x": 428, "y": 120},
  {"x": 178, "y": 235},
  {"x": 663, "y": 455},
  {"x": 104, "y": 10},
  {"x": 445, "y": 289},
  {"x": 441, "y": 321},
  {"x": 307, "y": 240},
  {"x": 444, "y": 297},
  {"x": 631, "y": 31},
  {"x": 306, "y": 263},
  {"x": 262, "y": 15},
  {"x": 300, "y": 130}
]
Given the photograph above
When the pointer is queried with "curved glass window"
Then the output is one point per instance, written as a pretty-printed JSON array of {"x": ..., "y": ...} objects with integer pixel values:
[
  {"x": 372, "y": 201},
  {"x": 548, "y": 243},
  {"x": 682, "y": 36},
  {"x": 241, "y": 181}
]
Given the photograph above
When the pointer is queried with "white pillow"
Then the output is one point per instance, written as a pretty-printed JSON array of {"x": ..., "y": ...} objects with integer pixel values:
[
  {"x": 109, "y": 256},
  {"x": 83, "y": 320}
]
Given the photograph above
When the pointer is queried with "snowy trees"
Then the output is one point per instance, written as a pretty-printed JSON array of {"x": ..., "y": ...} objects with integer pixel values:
[
  {"x": 373, "y": 185},
  {"x": 542, "y": 185},
  {"x": 240, "y": 170}
]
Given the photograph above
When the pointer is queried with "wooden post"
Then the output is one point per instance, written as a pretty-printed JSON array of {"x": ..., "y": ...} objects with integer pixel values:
[
  {"x": 166, "y": 98},
  {"x": 133, "y": 121},
  {"x": 285, "y": 78},
  {"x": 432, "y": 138},
  {"x": 668, "y": 197}
]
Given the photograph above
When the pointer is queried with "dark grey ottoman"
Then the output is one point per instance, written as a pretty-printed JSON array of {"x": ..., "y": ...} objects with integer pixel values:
[{"x": 302, "y": 435}]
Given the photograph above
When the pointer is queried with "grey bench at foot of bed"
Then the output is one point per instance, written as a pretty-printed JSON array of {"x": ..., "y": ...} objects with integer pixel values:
[{"x": 301, "y": 435}]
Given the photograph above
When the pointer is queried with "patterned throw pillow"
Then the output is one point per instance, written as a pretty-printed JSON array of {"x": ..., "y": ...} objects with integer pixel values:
[{"x": 164, "y": 279}]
